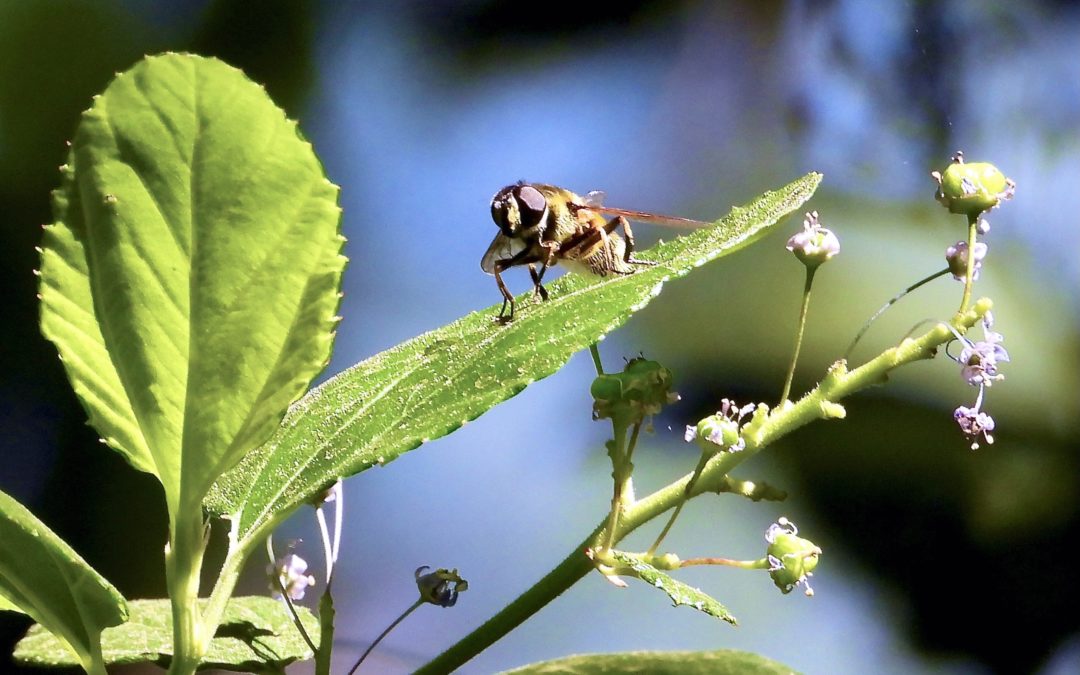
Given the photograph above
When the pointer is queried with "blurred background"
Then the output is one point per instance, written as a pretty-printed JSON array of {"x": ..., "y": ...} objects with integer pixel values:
[{"x": 936, "y": 558}]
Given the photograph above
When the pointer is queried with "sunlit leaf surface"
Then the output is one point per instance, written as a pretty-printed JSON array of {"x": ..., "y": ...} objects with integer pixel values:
[
  {"x": 257, "y": 634},
  {"x": 720, "y": 662},
  {"x": 431, "y": 385},
  {"x": 191, "y": 277}
]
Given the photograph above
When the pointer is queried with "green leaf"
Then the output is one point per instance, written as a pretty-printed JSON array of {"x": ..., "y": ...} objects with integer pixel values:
[
  {"x": 431, "y": 385},
  {"x": 256, "y": 634},
  {"x": 680, "y": 593},
  {"x": 43, "y": 577},
  {"x": 719, "y": 662},
  {"x": 7, "y": 605},
  {"x": 191, "y": 278}
]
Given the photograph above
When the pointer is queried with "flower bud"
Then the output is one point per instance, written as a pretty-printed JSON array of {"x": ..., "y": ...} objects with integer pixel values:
[
  {"x": 715, "y": 430},
  {"x": 641, "y": 390},
  {"x": 971, "y": 188},
  {"x": 435, "y": 587},
  {"x": 957, "y": 257},
  {"x": 815, "y": 244},
  {"x": 792, "y": 559}
]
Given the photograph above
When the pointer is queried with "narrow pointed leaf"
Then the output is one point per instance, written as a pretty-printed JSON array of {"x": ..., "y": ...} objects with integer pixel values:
[
  {"x": 256, "y": 634},
  {"x": 43, "y": 577},
  {"x": 431, "y": 385},
  {"x": 191, "y": 277},
  {"x": 720, "y": 662},
  {"x": 679, "y": 592}
]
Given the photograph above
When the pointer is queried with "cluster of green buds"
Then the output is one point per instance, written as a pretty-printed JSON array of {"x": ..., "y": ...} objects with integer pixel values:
[
  {"x": 791, "y": 558},
  {"x": 640, "y": 391}
]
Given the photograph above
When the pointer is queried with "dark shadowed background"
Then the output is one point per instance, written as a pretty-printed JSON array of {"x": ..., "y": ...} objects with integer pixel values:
[{"x": 936, "y": 557}]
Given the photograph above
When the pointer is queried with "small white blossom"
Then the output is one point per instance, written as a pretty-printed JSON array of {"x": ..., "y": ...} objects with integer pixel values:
[
  {"x": 290, "y": 572},
  {"x": 814, "y": 244}
]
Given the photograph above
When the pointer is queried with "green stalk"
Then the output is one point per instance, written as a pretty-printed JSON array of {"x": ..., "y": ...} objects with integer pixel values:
[
  {"x": 94, "y": 664},
  {"x": 326, "y": 633},
  {"x": 799, "y": 335},
  {"x": 892, "y": 301},
  {"x": 386, "y": 632},
  {"x": 820, "y": 403},
  {"x": 620, "y": 475},
  {"x": 969, "y": 277},
  {"x": 596, "y": 359},
  {"x": 702, "y": 461},
  {"x": 183, "y": 563}
]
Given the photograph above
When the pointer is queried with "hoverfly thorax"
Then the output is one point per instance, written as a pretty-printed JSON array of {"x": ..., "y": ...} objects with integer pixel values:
[{"x": 520, "y": 210}]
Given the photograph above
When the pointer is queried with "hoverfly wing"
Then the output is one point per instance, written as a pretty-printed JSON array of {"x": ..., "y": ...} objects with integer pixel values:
[
  {"x": 594, "y": 199},
  {"x": 642, "y": 216},
  {"x": 501, "y": 248}
]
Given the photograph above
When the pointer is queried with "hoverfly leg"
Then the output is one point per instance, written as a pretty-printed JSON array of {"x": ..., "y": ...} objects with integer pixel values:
[
  {"x": 628, "y": 234},
  {"x": 538, "y": 288},
  {"x": 508, "y": 298}
]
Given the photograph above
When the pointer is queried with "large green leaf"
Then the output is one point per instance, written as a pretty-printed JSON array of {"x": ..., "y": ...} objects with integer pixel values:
[
  {"x": 42, "y": 576},
  {"x": 257, "y": 634},
  {"x": 432, "y": 384},
  {"x": 720, "y": 662},
  {"x": 191, "y": 278}
]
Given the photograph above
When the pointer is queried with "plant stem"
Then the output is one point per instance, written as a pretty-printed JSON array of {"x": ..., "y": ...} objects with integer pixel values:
[
  {"x": 183, "y": 563},
  {"x": 296, "y": 619},
  {"x": 761, "y": 564},
  {"x": 620, "y": 474},
  {"x": 702, "y": 461},
  {"x": 326, "y": 633},
  {"x": 896, "y": 298},
  {"x": 837, "y": 384},
  {"x": 95, "y": 664},
  {"x": 596, "y": 359},
  {"x": 799, "y": 335},
  {"x": 386, "y": 632},
  {"x": 969, "y": 277}
]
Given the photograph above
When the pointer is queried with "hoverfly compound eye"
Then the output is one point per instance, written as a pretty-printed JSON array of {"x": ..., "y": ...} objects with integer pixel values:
[{"x": 532, "y": 204}]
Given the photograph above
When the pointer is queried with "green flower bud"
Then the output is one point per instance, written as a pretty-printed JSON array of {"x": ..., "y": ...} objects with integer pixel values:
[
  {"x": 641, "y": 390},
  {"x": 714, "y": 430},
  {"x": 969, "y": 188},
  {"x": 792, "y": 559},
  {"x": 721, "y": 429}
]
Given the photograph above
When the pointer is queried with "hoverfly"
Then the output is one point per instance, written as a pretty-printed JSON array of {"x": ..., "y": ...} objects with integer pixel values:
[{"x": 543, "y": 225}]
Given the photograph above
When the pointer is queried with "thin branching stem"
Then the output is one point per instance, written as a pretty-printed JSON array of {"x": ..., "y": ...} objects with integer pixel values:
[
  {"x": 810, "y": 270},
  {"x": 296, "y": 618},
  {"x": 702, "y": 461},
  {"x": 892, "y": 301},
  {"x": 386, "y": 632},
  {"x": 760, "y": 564}
]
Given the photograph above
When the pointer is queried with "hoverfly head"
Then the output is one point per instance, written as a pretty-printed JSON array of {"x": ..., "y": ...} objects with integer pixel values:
[{"x": 518, "y": 208}]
